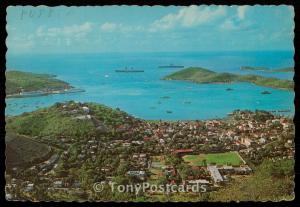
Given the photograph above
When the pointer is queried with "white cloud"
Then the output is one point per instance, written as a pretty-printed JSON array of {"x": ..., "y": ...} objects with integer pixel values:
[
  {"x": 77, "y": 31},
  {"x": 127, "y": 29},
  {"x": 232, "y": 24},
  {"x": 108, "y": 26},
  {"x": 228, "y": 25},
  {"x": 40, "y": 31},
  {"x": 20, "y": 44},
  {"x": 66, "y": 34},
  {"x": 241, "y": 12},
  {"x": 189, "y": 17},
  {"x": 53, "y": 32},
  {"x": 237, "y": 21},
  {"x": 113, "y": 27}
]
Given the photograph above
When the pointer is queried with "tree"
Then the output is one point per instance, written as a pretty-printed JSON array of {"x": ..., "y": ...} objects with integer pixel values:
[
  {"x": 121, "y": 180},
  {"x": 162, "y": 180},
  {"x": 173, "y": 160},
  {"x": 123, "y": 168},
  {"x": 184, "y": 171},
  {"x": 204, "y": 162}
]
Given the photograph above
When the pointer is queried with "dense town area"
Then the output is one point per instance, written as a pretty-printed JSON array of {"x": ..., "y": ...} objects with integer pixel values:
[{"x": 91, "y": 143}]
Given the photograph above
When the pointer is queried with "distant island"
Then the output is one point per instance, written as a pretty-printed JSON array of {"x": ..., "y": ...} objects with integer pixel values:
[
  {"x": 201, "y": 75},
  {"x": 265, "y": 69},
  {"x": 23, "y": 84}
]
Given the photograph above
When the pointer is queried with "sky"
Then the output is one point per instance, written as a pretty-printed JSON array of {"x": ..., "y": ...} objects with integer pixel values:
[{"x": 149, "y": 29}]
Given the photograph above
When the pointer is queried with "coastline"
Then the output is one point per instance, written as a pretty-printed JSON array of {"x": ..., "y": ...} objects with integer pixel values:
[
  {"x": 43, "y": 93},
  {"x": 231, "y": 82},
  {"x": 269, "y": 70}
]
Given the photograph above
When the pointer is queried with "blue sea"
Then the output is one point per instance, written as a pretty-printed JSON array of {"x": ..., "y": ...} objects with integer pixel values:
[{"x": 140, "y": 94}]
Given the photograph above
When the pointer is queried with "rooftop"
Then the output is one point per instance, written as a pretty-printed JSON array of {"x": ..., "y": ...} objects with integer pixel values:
[{"x": 215, "y": 173}]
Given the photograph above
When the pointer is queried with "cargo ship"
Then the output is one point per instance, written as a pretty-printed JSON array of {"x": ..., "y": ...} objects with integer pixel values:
[
  {"x": 171, "y": 66},
  {"x": 126, "y": 70}
]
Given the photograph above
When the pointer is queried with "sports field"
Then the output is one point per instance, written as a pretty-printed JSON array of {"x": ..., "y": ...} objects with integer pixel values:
[{"x": 226, "y": 158}]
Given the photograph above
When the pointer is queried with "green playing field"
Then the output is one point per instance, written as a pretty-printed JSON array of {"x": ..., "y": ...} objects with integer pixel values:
[{"x": 226, "y": 158}]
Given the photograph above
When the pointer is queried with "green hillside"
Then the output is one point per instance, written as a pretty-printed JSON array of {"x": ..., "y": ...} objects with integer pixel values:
[
  {"x": 72, "y": 127},
  {"x": 21, "y": 151},
  {"x": 67, "y": 120},
  {"x": 17, "y": 80},
  {"x": 268, "y": 82},
  {"x": 201, "y": 75},
  {"x": 271, "y": 181}
]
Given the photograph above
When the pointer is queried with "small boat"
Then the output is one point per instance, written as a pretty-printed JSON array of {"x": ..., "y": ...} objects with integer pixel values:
[
  {"x": 171, "y": 66},
  {"x": 106, "y": 76},
  {"x": 165, "y": 97},
  {"x": 229, "y": 89},
  {"x": 169, "y": 112},
  {"x": 187, "y": 102},
  {"x": 266, "y": 92},
  {"x": 126, "y": 70}
]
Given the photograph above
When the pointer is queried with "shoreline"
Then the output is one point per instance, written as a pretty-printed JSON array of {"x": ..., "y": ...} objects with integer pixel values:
[
  {"x": 268, "y": 70},
  {"x": 288, "y": 113},
  {"x": 28, "y": 94},
  {"x": 231, "y": 82}
]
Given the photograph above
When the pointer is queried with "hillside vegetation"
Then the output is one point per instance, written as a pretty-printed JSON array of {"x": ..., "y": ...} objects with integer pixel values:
[
  {"x": 201, "y": 75},
  {"x": 75, "y": 130},
  {"x": 21, "y": 151},
  {"x": 49, "y": 124},
  {"x": 17, "y": 81},
  {"x": 271, "y": 181}
]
